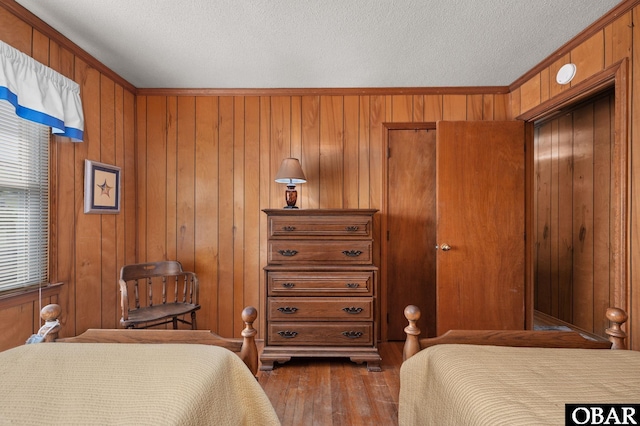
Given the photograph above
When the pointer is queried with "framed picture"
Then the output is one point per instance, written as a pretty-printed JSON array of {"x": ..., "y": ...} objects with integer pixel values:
[{"x": 101, "y": 188}]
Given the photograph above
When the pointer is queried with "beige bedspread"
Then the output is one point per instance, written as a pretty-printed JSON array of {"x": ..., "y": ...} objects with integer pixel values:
[
  {"x": 129, "y": 384},
  {"x": 489, "y": 385}
]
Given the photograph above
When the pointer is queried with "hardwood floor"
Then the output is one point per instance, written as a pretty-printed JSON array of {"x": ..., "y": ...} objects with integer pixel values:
[{"x": 335, "y": 391}]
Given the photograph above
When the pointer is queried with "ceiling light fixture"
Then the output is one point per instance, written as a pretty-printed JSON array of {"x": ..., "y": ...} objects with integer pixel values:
[{"x": 566, "y": 73}]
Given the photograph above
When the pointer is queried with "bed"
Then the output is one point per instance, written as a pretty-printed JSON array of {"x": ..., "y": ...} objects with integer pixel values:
[
  {"x": 173, "y": 377},
  {"x": 512, "y": 377}
]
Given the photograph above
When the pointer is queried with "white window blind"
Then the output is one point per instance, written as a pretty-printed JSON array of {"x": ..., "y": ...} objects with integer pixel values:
[{"x": 24, "y": 201}]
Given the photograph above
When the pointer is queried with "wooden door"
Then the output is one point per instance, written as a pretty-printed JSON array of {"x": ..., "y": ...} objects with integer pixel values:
[
  {"x": 480, "y": 214},
  {"x": 411, "y": 232}
]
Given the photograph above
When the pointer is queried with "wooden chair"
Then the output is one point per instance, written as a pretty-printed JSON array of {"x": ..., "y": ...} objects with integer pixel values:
[{"x": 169, "y": 292}]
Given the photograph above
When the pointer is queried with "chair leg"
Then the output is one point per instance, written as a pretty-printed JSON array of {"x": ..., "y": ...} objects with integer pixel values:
[
  {"x": 193, "y": 321},
  {"x": 175, "y": 323}
]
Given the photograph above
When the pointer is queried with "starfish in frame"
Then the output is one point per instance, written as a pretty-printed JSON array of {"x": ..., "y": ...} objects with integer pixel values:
[{"x": 105, "y": 189}]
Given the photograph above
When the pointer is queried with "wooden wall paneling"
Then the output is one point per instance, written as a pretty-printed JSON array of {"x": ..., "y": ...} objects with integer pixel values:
[
  {"x": 432, "y": 108},
  {"x": 206, "y": 210},
  {"x": 85, "y": 249},
  {"x": 377, "y": 155},
  {"x": 266, "y": 196},
  {"x": 388, "y": 108},
  {"x": 618, "y": 39},
  {"x": 142, "y": 119},
  {"x": 40, "y": 47},
  {"x": 364, "y": 136},
  {"x": 296, "y": 141},
  {"x": 65, "y": 204},
  {"x": 530, "y": 93},
  {"x": 564, "y": 220},
  {"x": 239, "y": 211},
  {"x": 351, "y": 152},
  {"x": 19, "y": 324},
  {"x": 488, "y": 102},
  {"x": 454, "y": 107},
  {"x": 502, "y": 107},
  {"x": 554, "y": 217},
  {"x": 545, "y": 84},
  {"x": 176, "y": 119},
  {"x": 121, "y": 218},
  {"x": 88, "y": 226},
  {"x": 108, "y": 240},
  {"x": 129, "y": 175},
  {"x": 183, "y": 187},
  {"x": 602, "y": 197},
  {"x": 252, "y": 273},
  {"x": 475, "y": 106},
  {"x": 280, "y": 140},
  {"x": 15, "y": 32},
  {"x": 543, "y": 202},
  {"x": 515, "y": 104},
  {"x": 588, "y": 57},
  {"x": 331, "y": 152},
  {"x": 310, "y": 156},
  {"x": 377, "y": 164},
  {"x": 155, "y": 157},
  {"x": 225, "y": 216},
  {"x": 418, "y": 108},
  {"x": 401, "y": 108},
  {"x": 633, "y": 254},
  {"x": 583, "y": 224}
]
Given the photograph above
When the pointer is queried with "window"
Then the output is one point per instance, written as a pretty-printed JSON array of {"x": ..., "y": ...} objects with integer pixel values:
[{"x": 24, "y": 201}]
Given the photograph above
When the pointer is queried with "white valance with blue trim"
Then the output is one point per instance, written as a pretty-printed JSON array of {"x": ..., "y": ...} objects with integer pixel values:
[{"x": 40, "y": 94}]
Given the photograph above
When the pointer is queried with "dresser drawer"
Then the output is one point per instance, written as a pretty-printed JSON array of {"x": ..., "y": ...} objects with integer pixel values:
[
  {"x": 321, "y": 334},
  {"x": 320, "y": 308},
  {"x": 320, "y": 283},
  {"x": 320, "y": 226},
  {"x": 300, "y": 251}
]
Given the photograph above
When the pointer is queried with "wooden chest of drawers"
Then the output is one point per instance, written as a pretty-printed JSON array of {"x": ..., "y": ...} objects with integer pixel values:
[{"x": 321, "y": 286}]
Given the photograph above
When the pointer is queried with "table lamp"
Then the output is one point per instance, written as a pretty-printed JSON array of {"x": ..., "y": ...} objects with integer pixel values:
[{"x": 291, "y": 173}]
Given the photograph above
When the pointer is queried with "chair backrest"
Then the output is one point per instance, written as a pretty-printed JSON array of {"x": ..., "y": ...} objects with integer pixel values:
[{"x": 156, "y": 282}]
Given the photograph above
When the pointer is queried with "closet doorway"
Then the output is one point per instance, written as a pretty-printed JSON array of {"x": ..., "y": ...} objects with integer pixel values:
[{"x": 573, "y": 213}]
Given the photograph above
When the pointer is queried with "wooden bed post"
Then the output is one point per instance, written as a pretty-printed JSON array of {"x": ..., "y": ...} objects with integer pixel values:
[
  {"x": 249, "y": 351},
  {"x": 411, "y": 344},
  {"x": 51, "y": 315},
  {"x": 616, "y": 335}
]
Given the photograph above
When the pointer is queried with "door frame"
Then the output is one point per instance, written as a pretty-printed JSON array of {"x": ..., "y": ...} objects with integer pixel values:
[
  {"x": 383, "y": 267},
  {"x": 613, "y": 76}
]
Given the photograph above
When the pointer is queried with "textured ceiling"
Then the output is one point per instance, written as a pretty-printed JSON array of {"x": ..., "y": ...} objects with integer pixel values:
[{"x": 319, "y": 44}]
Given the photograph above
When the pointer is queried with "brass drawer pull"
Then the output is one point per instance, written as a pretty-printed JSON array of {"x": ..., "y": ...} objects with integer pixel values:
[
  {"x": 288, "y": 253},
  {"x": 352, "y": 253},
  {"x": 353, "y": 228},
  {"x": 287, "y": 334},
  {"x": 352, "y": 310},
  {"x": 288, "y": 228},
  {"x": 288, "y": 310},
  {"x": 288, "y": 285},
  {"x": 353, "y": 285},
  {"x": 352, "y": 334}
]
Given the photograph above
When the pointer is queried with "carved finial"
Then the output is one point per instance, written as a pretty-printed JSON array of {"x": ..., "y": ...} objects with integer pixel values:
[
  {"x": 617, "y": 336},
  {"x": 249, "y": 314},
  {"x": 51, "y": 312}
]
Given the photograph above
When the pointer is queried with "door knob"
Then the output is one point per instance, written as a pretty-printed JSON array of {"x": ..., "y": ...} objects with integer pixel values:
[{"x": 445, "y": 247}]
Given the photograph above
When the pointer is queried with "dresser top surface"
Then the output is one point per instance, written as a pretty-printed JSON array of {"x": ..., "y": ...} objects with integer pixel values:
[{"x": 318, "y": 212}]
